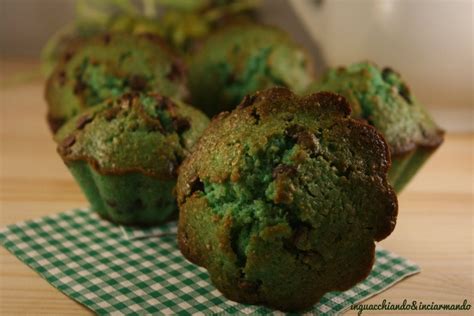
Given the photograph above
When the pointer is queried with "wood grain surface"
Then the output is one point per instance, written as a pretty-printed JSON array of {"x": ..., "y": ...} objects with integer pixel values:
[{"x": 434, "y": 229}]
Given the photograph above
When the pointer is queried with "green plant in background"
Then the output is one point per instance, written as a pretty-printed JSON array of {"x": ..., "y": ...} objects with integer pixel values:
[{"x": 180, "y": 22}]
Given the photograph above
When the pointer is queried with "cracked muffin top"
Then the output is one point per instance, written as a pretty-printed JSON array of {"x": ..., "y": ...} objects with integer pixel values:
[
  {"x": 242, "y": 58},
  {"x": 146, "y": 133},
  {"x": 282, "y": 199},
  {"x": 384, "y": 100},
  {"x": 103, "y": 67}
]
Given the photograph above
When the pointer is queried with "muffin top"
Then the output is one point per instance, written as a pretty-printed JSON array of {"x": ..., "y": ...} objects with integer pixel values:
[
  {"x": 107, "y": 66},
  {"x": 383, "y": 99},
  {"x": 244, "y": 57},
  {"x": 146, "y": 133},
  {"x": 281, "y": 150}
]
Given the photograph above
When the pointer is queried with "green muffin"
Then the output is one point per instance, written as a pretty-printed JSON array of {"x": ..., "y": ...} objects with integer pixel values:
[
  {"x": 242, "y": 58},
  {"x": 383, "y": 99},
  {"x": 107, "y": 66},
  {"x": 282, "y": 199},
  {"x": 124, "y": 154},
  {"x": 83, "y": 28}
]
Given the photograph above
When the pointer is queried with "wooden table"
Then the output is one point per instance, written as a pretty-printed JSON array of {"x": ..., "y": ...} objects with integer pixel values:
[{"x": 434, "y": 229}]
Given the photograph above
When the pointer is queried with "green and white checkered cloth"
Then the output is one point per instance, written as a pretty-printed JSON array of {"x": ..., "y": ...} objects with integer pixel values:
[
  {"x": 89, "y": 260},
  {"x": 132, "y": 233}
]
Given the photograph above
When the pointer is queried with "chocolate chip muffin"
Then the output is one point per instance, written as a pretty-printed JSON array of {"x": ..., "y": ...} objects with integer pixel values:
[
  {"x": 124, "y": 154},
  {"x": 283, "y": 198},
  {"x": 242, "y": 58},
  {"x": 107, "y": 66},
  {"x": 383, "y": 99},
  {"x": 82, "y": 29}
]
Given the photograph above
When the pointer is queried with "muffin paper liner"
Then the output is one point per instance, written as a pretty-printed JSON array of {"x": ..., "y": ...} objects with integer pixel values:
[
  {"x": 405, "y": 168},
  {"x": 115, "y": 270}
]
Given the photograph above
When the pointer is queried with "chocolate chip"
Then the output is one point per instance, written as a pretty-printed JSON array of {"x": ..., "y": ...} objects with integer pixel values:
[
  {"x": 303, "y": 137},
  {"x": 283, "y": 176},
  {"x": 68, "y": 141},
  {"x": 369, "y": 120},
  {"x": 138, "y": 83},
  {"x": 55, "y": 123},
  {"x": 294, "y": 130},
  {"x": 127, "y": 99},
  {"x": 405, "y": 93},
  {"x": 133, "y": 126},
  {"x": 161, "y": 102},
  {"x": 151, "y": 37},
  {"x": 283, "y": 169},
  {"x": 308, "y": 141},
  {"x": 128, "y": 96},
  {"x": 196, "y": 185},
  {"x": 62, "y": 78},
  {"x": 255, "y": 115},
  {"x": 83, "y": 121},
  {"x": 111, "y": 113},
  {"x": 107, "y": 38},
  {"x": 79, "y": 87},
  {"x": 176, "y": 72},
  {"x": 171, "y": 107},
  {"x": 181, "y": 124},
  {"x": 386, "y": 72},
  {"x": 68, "y": 55}
]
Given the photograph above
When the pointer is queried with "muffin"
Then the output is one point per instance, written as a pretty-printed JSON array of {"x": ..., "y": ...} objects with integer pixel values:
[
  {"x": 282, "y": 199},
  {"x": 83, "y": 28},
  {"x": 107, "y": 66},
  {"x": 242, "y": 58},
  {"x": 383, "y": 99},
  {"x": 124, "y": 154}
]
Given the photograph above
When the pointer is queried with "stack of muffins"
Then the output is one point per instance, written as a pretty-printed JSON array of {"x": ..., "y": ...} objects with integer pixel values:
[{"x": 282, "y": 196}]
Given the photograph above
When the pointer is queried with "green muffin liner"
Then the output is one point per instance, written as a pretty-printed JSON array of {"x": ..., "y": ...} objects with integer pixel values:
[
  {"x": 405, "y": 167},
  {"x": 130, "y": 199}
]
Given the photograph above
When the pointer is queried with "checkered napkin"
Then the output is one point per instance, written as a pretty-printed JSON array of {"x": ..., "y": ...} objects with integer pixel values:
[
  {"x": 131, "y": 233},
  {"x": 89, "y": 260}
]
